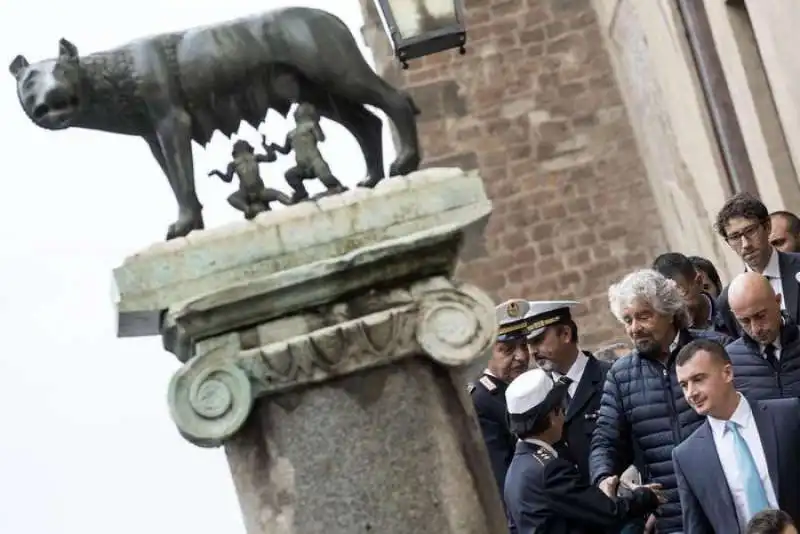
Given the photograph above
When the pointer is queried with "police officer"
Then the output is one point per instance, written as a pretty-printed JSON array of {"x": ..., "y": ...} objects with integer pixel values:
[
  {"x": 509, "y": 359},
  {"x": 544, "y": 492},
  {"x": 553, "y": 343}
]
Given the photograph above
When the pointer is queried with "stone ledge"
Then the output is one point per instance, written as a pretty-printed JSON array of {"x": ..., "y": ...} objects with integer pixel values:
[{"x": 166, "y": 274}]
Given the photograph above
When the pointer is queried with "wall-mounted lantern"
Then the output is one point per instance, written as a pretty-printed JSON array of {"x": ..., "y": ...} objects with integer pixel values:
[{"x": 419, "y": 28}]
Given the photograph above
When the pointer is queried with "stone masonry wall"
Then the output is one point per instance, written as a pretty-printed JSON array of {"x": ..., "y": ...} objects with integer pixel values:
[{"x": 535, "y": 106}]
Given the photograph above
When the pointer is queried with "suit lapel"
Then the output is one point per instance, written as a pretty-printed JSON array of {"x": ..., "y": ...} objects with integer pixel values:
[
  {"x": 708, "y": 468},
  {"x": 769, "y": 442},
  {"x": 791, "y": 286},
  {"x": 591, "y": 382}
]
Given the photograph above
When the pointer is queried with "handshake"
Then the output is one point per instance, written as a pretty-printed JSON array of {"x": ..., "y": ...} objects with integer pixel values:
[
  {"x": 613, "y": 487},
  {"x": 642, "y": 499}
]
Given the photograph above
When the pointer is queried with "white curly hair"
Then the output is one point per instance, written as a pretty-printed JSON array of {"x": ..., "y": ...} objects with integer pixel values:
[{"x": 647, "y": 285}]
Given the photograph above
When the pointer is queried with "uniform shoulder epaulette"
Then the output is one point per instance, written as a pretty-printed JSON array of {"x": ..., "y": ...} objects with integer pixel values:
[
  {"x": 543, "y": 455},
  {"x": 488, "y": 383},
  {"x": 470, "y": 388}
]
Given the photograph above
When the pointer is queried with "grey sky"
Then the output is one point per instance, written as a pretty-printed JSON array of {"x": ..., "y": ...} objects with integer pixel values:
[{"x": 86, "y": 442}]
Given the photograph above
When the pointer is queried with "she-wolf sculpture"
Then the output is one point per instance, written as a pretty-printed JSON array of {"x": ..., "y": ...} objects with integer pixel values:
[{"x": 173, "y": 88}]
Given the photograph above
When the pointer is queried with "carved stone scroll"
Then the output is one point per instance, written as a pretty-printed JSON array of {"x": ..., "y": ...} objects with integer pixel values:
[{"x": 212, "y": 395}]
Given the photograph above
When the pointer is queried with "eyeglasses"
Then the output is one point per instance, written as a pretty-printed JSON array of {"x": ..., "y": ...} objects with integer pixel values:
[{"x": 749, "y": 233}]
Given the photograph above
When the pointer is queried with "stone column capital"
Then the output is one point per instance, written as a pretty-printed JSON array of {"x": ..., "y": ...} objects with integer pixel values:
[{"x": 212, "y": 395}]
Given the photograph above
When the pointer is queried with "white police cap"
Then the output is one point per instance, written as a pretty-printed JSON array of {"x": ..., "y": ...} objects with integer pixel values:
[
  {"x": 528, "y": 391},
  {"x": 544, "y": 313},
  {"x": 513, "y": 318}
]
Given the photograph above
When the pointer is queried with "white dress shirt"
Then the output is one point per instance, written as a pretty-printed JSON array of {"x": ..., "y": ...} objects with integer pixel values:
[
  {"x": 773, "y": 273},
  {"x": 724, "y": 443},
  {"x": 675, "y": 342},
  {"x": 575, "y": 372}
]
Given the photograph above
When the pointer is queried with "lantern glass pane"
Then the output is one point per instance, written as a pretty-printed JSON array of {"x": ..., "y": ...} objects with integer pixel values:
[{"x": 419, "y": 17}]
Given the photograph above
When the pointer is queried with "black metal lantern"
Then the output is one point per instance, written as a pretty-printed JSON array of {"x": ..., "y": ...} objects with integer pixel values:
[{"x": 419, "y": 28}]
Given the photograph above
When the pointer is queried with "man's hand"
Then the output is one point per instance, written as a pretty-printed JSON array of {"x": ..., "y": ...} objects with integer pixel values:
[
  {"x": 650, "y": 526},
  {"x": 656, "y": 488},
  {"x": 609, "y": 486}
]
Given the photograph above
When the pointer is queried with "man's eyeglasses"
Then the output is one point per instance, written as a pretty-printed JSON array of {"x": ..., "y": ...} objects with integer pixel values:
[{"x": 749, "y": 233}]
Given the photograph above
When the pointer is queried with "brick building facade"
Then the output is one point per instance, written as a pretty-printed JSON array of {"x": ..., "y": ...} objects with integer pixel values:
[{"x": 534, "y": 105}]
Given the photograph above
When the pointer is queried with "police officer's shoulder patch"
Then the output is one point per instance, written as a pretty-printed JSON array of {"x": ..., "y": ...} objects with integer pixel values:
[
  {"x": 543, "y": 455},
  {"x": 470, "y": 388},
  {"x": 487, "y": 383}
]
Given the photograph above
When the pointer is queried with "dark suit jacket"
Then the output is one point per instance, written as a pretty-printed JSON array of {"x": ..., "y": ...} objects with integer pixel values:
[
  {"x": 789, "y": 264},
  {"x": 706, "y": 500},
  {"x": 581, "y": 417},
  {"x": 490, "y": 407}
]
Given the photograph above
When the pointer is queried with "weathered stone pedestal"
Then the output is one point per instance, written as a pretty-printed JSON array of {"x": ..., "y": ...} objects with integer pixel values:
[{"x": 320, "y": 347}]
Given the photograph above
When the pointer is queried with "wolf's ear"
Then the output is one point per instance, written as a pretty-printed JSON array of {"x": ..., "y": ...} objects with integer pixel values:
[
  {"x": 17, "y": 65},
  {"x": 67, "y": 50}
]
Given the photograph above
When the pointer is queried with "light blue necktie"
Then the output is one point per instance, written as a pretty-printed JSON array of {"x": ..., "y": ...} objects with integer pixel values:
[{"x": 754, "y": 490}]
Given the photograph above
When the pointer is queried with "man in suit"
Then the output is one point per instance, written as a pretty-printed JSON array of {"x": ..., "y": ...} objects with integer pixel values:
[
  {"x": 510, "y": 358},
  {"x": 743, "y": 458},
  {"x": 544, "y": 492},
  {"x": 766, "y": 359},
  {"x": 553, "y": 343},
  {"x": 744, "y": 223}
]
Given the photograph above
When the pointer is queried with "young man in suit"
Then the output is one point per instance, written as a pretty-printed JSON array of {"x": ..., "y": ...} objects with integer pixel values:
[
  {"x": 744, "y": 223},
  {"x": 743, "y": 458},
  {"x": 553, "y": 343}
]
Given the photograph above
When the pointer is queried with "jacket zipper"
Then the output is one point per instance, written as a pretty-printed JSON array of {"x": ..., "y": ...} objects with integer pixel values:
[{"x": 674, "y": 422}]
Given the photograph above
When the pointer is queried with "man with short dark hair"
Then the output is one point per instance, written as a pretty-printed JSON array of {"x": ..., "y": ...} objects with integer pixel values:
[
  {"x": 553, "y": 344},
  {"x": 742, "y": 459},
  {"x": 771, "y": 522},
  {"x": 544, "y": 492},
  {"x": 679, "y": 269},
  {"x": 785, "y": 231},
  {"x": 712, "y": 284},
  {"x": 744, "y": 223}
]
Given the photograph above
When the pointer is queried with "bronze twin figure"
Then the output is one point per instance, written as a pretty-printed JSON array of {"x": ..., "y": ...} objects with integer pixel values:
[
  {"x": 253, "y": 197},
  {"x": 179, "y": 87}
]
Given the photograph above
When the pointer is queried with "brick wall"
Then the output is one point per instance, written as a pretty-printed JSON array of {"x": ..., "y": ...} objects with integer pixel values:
[{"x": 534, "y": 105}]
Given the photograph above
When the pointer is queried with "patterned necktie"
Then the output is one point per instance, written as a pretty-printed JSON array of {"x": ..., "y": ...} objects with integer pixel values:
[
  {"x": 755, "y": 494},
  {"x": 769, "y": 355}
]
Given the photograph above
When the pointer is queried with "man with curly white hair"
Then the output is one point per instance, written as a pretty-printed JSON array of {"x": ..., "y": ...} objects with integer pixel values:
[{"x": 643, "y": 413}]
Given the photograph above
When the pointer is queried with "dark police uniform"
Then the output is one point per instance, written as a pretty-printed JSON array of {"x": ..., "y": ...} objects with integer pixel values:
[
  {"x": 544, "y": 492},
  {"x": 584, "y": 380},
  {"x": 488, "y": 392}
]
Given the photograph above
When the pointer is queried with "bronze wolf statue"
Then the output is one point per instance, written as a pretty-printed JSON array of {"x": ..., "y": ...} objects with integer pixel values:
[{"x": 175, "y": 88}]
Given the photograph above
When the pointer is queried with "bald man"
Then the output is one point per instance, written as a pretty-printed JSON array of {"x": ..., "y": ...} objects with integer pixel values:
[{"x": 766, "y": 359}]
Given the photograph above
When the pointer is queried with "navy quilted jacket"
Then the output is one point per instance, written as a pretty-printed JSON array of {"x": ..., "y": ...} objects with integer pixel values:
[
  {"x": 755, "y": 378},
  {"x": 643, "y": 416}
]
